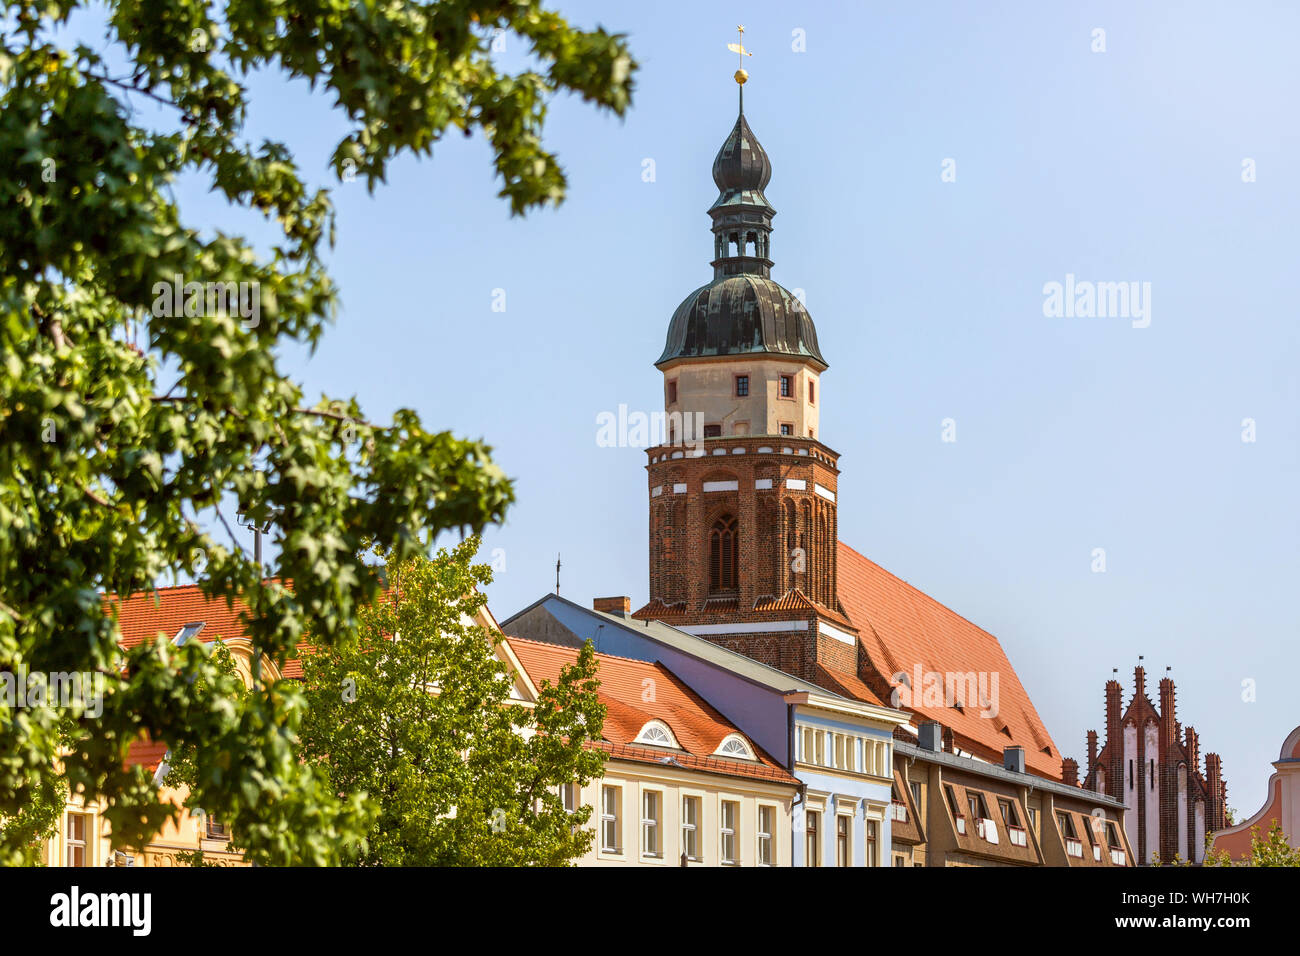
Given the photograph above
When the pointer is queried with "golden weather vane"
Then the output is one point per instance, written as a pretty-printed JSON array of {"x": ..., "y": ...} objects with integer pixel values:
[{"x": 739, "y": 49}]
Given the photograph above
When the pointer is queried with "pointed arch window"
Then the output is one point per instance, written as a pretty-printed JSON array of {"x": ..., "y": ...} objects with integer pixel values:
[{"x": 722, "y": 554}]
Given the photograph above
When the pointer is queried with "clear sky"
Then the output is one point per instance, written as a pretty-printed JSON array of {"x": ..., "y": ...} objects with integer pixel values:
[{"x": 1072, "y": 433}]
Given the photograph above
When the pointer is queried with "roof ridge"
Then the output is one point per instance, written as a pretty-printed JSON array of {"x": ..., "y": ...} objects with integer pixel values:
[{"x": 565, "y": 648}]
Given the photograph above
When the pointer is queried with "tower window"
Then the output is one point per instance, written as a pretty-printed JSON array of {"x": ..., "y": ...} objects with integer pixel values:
[
  {"x": 722, "y": 554},
  {"x": 812, "y": 392},
  {"x": 712, "y": 431},
  {"x": 742, "y": 385},
  {"x": 672, "y": 392},
  {"x": 787, "y": 429},
  {"x": 787, "y": 386}
]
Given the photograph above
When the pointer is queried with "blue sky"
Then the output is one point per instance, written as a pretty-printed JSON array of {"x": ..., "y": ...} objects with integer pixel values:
[{"x": 1072, "y": 433}]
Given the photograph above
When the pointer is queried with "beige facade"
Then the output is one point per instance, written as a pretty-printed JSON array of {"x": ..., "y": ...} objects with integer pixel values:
[
  {"x": 642, "y": 816},
  {"x": 712, "y": 389}
]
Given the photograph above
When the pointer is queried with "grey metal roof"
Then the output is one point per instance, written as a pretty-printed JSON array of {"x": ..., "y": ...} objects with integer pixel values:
[
  {"x": 741, "y": 314},
  {"x": 1001, "y": 773}
]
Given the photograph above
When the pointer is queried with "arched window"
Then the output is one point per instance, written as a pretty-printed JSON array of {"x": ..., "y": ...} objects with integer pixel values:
[
  {"x": 657, "y": 734},
  {"x": 722, "y": 554},
  {"x": 734, "y": 745}
]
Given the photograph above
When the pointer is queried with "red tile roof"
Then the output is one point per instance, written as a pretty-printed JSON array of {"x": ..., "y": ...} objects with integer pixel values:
[
  {"x": 901, "y": 626},
  {"x": 846, "y": 684},
  {"x": 699, "y": 728},
  {"x": 141, "y": 617}
]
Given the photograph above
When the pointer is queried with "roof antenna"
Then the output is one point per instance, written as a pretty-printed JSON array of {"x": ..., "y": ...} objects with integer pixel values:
[{"x": 557, "y": 575}]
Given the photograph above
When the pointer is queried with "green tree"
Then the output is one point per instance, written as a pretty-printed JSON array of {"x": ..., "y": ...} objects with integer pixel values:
[
  {"x": 116, "y": 454},
  {"x": 418, "y": 716}
]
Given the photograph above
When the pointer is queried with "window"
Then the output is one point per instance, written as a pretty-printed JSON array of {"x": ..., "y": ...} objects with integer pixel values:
[
  {"x": 712, "y": 431},
  {"x": 74, "y": 852},
  {"x": 871, "y": 843},
  {"x": 734, "y": 746},
  {"x": 611, "y": 802},
  {"x": 842, "y": 824},
  {"x": 1009, "y": 815},
  {"x": 766, "y": 822},
  {"x": 729, "y": 827},
  {"x": 959, "y": 818},
  {"x": 812, "y": 821},
  {"x": 691, "y": 827},
  {"x": 722, "y": 554},
  {"x": 787, "y": 387},
  {"x": 742, "y": 386},
  {"x": 651, "y": 807},
  {"x": 1073, "y": 846},
  {"x": 916, "y": 795},
  {"x": 657, "y": 734},
  {"x": 1151, "y": 774},
  {"x": 978, "y": 808},
  {"x": 899, "y": 860},
  {"x": 1033, "y": 818},
  {"x": 812, "y": 392},
  {"x": 787, "y": 429},
  {"x": 672, "y": 392},
  {"x": 569, "y": 797},
  {"x": 214, "y": 829}
]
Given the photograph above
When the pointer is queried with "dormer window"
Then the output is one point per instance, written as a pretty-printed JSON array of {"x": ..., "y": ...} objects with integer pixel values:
[
  {"x": 734, "y": 745},
  {"x": 656, "y": 734}
]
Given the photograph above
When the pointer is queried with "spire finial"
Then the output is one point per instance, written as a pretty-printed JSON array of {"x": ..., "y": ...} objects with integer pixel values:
[{"x": 740, "y": 75}]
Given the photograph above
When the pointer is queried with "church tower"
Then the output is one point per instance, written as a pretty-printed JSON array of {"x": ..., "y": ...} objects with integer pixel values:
[{"x": 743, "y": 495}]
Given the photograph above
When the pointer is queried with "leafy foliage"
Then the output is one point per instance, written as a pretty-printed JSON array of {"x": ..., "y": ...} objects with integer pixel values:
[
  {"x": 418, "y": 716},
  {"x": 108, "y": 476}
]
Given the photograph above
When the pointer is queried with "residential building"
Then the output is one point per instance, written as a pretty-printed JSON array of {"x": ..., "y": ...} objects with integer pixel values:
[
  {"x": 838, "y": 748},
  {"x": 1151, "y": 763},
  {"x": 682, "y": 785},
  {"x": 951, "y": 810},
  {"x": 1281, "y": 806}
]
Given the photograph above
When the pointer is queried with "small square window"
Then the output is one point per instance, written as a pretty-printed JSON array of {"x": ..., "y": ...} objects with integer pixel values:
[
  {"x": 712, "y": 431},
  {"x": 787, "y": 386},
  {"x": 785, "y": 429},
  {"x": 742, "y": 385}
]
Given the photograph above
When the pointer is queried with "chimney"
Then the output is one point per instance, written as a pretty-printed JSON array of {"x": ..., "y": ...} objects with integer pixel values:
[
  {"x": 612, "y": 605},
  {"x": 929, "y": 736},
  {"x": 1013, "y": 759},
  {"x": 1070, "y": 772}
]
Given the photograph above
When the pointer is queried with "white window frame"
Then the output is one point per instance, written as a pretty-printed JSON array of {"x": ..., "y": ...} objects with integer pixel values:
[
  {"x": 657, "y": 823},
  {"x": 86, "y": 843},
  {"x": 697, "y": 827},
  {"x": 770, "y": 835},
  {"x": 848, "y": 834},
  {"x": 660, "y": 726},
  {"x": 734, "y": 831},
  {"x": 616, "y": 818},
  {"x": 735, "y": 738}
]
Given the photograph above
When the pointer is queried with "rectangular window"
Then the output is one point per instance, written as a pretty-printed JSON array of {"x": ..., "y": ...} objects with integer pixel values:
[
  {"x": 672, "y": 392},
  {"x": 569, "y": 797},
  {"x": 766, "y": 823},
  {"x": 691, "y": 827},
  {"x": 1033, "y": 818},
  {"x": 214, "y": 829},
  {"x": 730, "y": 831},
  {"x": 787, "y": 389},
  {"x": 787, "y": 429},
  {"x": 842, "y": 831},
  {"x": 651, "y": 803},
  {"x": 916, "y": 795},
  {"x": 74, "y": 853},
  {"x": 1009, "y": 815},
  {"x": 812, "y": 836},
  {"x": 812, "y": 392},
  {"x": 742, "y": 386},
  {"x": 712, "y": 431},
  {"x": 611, "y": 804},
  {"x": 871, "y": 843}
]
